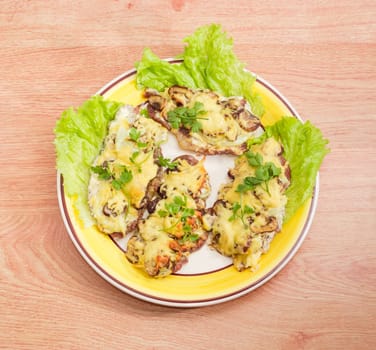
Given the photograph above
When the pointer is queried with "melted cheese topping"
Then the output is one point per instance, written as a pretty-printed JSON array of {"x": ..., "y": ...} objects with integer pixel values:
[
  {"x": 117, "y": 152},
  {"x": 233, "y": 235},
  {"x": 246, "y": 236},
  {"x": 221, "y": 130},
  {"x": 214, "y": 121},
  {"x": 191, "y": 180},
  {"x": 102, "y": 195},
  {"x": 160, "y": 235}
]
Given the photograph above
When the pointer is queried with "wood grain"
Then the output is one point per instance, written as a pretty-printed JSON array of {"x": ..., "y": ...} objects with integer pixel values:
[{"x": 55, "y": 54}]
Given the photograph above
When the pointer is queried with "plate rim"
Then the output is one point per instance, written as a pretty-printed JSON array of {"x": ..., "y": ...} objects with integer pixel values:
[{"x": 190, "y": 303}]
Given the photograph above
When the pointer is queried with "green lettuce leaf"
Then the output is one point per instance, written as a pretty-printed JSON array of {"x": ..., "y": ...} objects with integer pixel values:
[
  {"x": 155, "y": 73},
  {"x": 208, "y": 62},
  {"x": 79, "y": 135},
  {"x": 304, "y": 148}
]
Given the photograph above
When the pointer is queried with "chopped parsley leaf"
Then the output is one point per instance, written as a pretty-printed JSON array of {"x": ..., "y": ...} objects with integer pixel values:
[
  {"x": 187, "y": 117},
  {"x": 104, "y": 173},
  {"x": 263, "y": 173},
  {"x": 240, "y": 212},
  {"x": 167, "y": 163}
]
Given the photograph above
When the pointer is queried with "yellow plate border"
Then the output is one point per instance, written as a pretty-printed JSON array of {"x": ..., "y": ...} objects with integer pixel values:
[{"x": 193, "y": 301}]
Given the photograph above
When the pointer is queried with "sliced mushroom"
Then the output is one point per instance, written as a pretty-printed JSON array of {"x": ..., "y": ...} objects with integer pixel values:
[
  {"x": 152, "y": 196},
  {"x": 151, "y": 205},
  {"x": 158, "y": 117},
  {"x": 233, "y": 103},
  {"x": 247, "y": 121},
  {"x": 180, "y": 94},
  {"x": 157, "y": 102},
  {"x": 189, "y": 159},
  {"x": 107, "y": 211},
  {"x": 231, "y": 174},
  {"x": 150, "y": 92},
  {"x": 114, "y": 207}
]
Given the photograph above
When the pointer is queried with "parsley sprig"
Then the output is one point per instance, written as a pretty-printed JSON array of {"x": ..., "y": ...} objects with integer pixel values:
[
  {"x": 187, "y": 117},
  {"x": 178, "y": 209},
  {"x": 145, "y": 113},
  {"x": 104, "y": 173},
  {"x": 135, "y": 135},
  {"x": 167, "y": 163},
  {"x": 178, "y": 204},
  {"x": 189, "y": 237},
  {"x": 124, "y": 178},
  {"x": 138, "y": 163},
  {"x": 263, "y": 173},
  {"x": 240, "y": 212}
]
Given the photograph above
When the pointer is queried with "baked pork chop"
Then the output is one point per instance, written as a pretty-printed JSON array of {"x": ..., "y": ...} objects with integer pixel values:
[
  {"x": 123, "y": 170},
  {"x": 203, "y": 121},
  {"x": 250, "y": 208},
  {"x": 173, "y": 229}
]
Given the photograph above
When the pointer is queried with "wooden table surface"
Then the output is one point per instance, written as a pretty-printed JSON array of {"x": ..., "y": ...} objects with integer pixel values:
[{"x": 55, "y": 54}]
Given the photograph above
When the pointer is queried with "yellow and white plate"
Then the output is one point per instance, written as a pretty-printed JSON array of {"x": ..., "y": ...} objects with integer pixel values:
[{"x": 208, "y": 278}]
